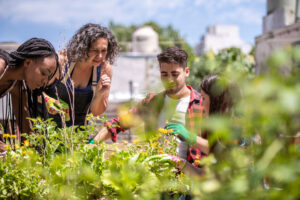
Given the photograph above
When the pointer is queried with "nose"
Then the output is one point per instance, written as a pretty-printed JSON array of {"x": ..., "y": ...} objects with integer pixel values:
[
  {"x": 99, "y": 55},
  {"x": 44, "y": 82}
]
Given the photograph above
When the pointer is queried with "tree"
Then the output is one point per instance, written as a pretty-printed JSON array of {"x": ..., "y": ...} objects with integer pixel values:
[{"x": 227, "y": 60}]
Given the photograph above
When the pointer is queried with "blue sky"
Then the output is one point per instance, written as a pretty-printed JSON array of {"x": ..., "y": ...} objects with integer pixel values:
[{"x": 57, "y": 20}]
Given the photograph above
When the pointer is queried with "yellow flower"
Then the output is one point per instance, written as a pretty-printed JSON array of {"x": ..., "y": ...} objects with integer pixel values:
[
  {"x": 136, "y": 141},
  {"x": 197, "y": 162},
  {"x": 154, "y": 144},
  {"x": 26, "y": 143},
  {"x": 6, "y": 135},
  {"x": 160, "y": 148},
  {"x": 160, "y": 130},
  {"x": 13, "y": 136},
  {"x": 170, "y": 130},
  {"x": 126, "y": 117},
  {"x": 161, "y": 152},
  {"x": 166, "y": 141},
  {"x": 6, "y": 147},
  {"x": 144, "y": 153},
  {"x": 163, "y": 131},
  {"x": 30, "y": 152},
  {"x": 124, "y": 142},
  {"x": 17, "y": 146},
  {"x": 167, "y": 121}
]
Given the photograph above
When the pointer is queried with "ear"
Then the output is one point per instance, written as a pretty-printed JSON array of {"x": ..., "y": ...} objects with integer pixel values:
[
  {"x": 27, "y": 62},
  {"x": 187, "y": 71}
]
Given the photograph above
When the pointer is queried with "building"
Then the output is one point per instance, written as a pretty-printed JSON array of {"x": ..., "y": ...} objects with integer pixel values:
[
  {"x": 281, "y": 27},
  {"x": 218, "y": 37},
  {"x": 145, "y": 40},
  {"x": 135, "y": 73},
  {"x": 9, "y": 46}
]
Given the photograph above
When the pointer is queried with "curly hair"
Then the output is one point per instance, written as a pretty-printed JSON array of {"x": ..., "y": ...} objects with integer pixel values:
[
  {"x": 173, "y": 55},
  {"x": 79, "y": 45}
]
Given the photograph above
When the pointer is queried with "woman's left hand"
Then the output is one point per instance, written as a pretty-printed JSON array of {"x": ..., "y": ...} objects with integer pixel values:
[{"x": 105, "y": 80}]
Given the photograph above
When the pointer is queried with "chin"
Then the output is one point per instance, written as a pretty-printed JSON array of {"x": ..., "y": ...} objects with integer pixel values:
[
  {"x": 97, "y": 63},
  {"x": 170, "y": 91}
]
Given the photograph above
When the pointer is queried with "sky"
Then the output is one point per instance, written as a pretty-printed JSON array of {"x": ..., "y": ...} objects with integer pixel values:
[{"x": 58, "y": 20}]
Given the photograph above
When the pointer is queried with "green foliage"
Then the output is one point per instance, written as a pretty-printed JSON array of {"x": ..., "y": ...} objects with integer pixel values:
[
  {"x": 231, "y": 61},
  {"x": 267, "y": 117},
  {"x": 256, "y": 143},
  {"x": 55, "y": 166}
]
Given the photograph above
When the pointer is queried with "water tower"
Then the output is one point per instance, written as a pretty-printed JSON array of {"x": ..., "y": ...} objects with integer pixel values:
[{"x": 145, "y": 40}]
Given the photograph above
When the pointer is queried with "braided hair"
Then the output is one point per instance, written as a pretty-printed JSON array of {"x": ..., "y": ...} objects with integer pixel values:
[
  {"x": 5, "y": 56},
  {"x": 34, "y": 48}
]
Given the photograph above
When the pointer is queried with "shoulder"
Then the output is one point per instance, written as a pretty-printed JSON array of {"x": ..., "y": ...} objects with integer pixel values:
[
  {"x": 153, "y": 98},
  {"x": 195, "y": 95},
  {"x": 2, "y": 65}
]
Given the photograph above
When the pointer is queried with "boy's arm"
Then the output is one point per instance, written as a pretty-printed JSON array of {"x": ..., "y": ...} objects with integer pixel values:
[{"x": 113, "y": 127}]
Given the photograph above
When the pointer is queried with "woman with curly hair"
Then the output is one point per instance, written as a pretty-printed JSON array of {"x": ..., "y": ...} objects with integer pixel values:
[{"x": 86, "y": 72}]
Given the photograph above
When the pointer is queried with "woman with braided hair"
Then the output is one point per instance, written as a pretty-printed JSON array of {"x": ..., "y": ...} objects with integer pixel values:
[
  {"x": 29, "y": 67},
  {"x": 84, "y": 81}
]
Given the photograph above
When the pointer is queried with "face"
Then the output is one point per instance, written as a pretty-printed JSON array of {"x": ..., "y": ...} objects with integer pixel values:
[
  {"x": 38, "y": 71},
  {"x": 206, "y": 102},
  {"x": 173, "y": 77},
  {"x": 97, "y": 52}
]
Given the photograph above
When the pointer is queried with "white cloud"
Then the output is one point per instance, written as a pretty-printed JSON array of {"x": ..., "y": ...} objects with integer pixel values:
[{"x": 76, "y": 11}]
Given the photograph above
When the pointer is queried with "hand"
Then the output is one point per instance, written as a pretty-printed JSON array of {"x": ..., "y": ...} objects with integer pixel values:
[
  {"x": 105, "y": 80},
  {"x": 182, "y": 132}
]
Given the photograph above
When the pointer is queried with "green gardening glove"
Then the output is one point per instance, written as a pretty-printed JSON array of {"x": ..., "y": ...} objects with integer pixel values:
[{"x": 182, "y": 132}]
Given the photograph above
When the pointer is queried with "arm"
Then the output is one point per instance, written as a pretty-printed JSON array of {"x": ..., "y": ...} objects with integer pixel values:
[
  {"x": 114, "y": 126},
  {"x": 100, "y": 100},
  {"x": 202, "y": 144},
  {"x": 102, "y": 135},
  {"x": 111, "y": 129},
  {"x": 190, "y": 137},
  {"x": 192, "y": 170}
]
